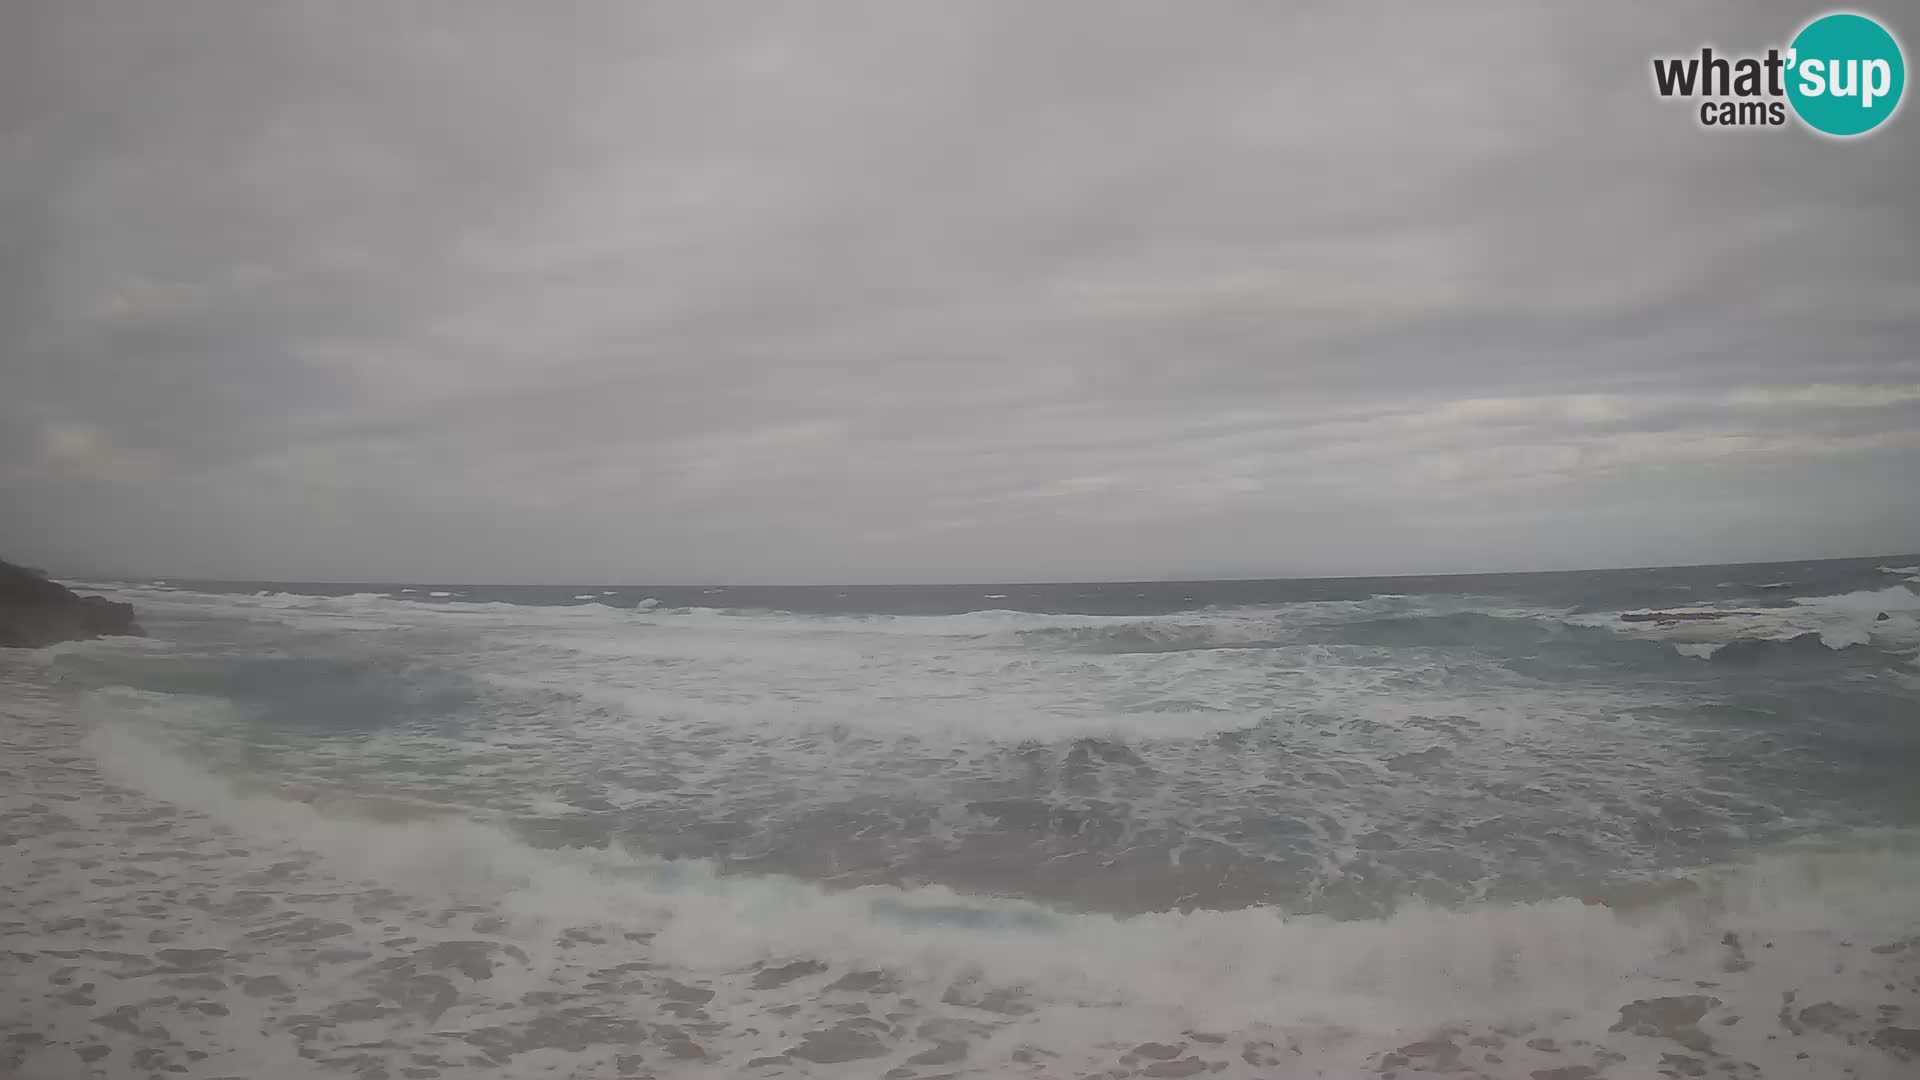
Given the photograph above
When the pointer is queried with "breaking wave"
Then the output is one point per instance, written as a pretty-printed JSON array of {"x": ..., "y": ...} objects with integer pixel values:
[{"x": 1421, "y": 965}]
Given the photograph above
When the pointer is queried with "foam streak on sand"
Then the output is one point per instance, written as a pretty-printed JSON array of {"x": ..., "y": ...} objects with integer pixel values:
[{"x": 161, "y": 919}]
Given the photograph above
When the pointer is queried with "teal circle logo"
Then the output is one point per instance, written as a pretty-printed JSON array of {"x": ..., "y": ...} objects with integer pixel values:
[{"x": 1845, "y": 74}]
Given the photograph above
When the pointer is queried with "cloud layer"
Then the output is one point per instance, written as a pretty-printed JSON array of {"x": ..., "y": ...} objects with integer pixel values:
[{"x": 974, "y": 292}]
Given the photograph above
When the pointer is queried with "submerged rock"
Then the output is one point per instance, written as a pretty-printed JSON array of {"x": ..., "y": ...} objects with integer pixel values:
[
  {"x": 36, "y": 612},
  {"x": 1680, "y": 616}
]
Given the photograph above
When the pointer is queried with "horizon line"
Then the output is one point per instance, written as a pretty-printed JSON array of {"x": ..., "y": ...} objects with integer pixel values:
[{"x": 188, "y": 579}]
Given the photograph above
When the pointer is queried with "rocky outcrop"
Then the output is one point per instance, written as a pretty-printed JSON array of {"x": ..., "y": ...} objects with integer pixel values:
[
  {"x": 1681, "y": 616},
  {"x": 35, "y": 612}
]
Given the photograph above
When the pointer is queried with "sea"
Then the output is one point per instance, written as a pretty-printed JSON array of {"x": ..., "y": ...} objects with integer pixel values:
[{"x": 1563, "y": 826}]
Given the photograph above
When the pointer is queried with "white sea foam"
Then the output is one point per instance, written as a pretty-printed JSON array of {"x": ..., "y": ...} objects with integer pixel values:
[
  {"x": 778, "y": 716},
  {"x": 779, "y": 725},
  {"x": 1240, "y": 736},
  {"x": 1565, "y": 966},
  {"x": 1225, "y": 625},
  {"x": 1865, "y": 603}
]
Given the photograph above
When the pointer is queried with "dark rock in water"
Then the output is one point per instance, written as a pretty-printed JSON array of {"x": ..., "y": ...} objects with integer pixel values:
[
  {"x": 1882, "y": 617},
  {"x": 1680, "y": 616},
  {"x": 35, "y": 612}
]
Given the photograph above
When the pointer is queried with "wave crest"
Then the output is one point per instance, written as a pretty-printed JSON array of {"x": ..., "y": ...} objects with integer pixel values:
[{"x": 1420, "y": 965}]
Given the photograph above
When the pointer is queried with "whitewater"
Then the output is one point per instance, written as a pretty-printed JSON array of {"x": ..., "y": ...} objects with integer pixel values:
[{"x": 1561, "y": 827}]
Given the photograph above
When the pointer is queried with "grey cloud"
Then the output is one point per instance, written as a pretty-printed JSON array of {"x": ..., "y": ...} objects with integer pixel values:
[{"x": 700, "y": 292}]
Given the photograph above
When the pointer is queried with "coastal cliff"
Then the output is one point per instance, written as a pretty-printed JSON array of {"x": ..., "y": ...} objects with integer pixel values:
[{"x": 36, "y": 612}]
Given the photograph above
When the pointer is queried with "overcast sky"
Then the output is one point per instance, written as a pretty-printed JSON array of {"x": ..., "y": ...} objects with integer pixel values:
[{"x": 969, "y": 291}]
